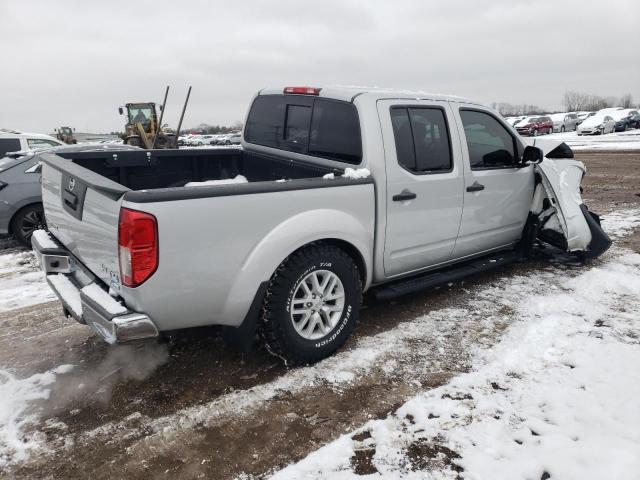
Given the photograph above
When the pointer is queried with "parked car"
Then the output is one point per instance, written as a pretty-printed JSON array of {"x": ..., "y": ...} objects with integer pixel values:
[
  {"x": 624, "y": 119},
  {"x": 608, "y": 110},
  {"x": 635, "y": 120},
  {"x": 21, "y": 209},
  {"x": 597, "y": 125},
  {"x": 564, "y": 122},
  {"x": 379, "y": 180},
  {"x": 513, "y": 120},
  {"x": 534, "y": 126},
  {"x": 15, "y": 141},
  {"x": 582, "y": 116},
  {"x": 233, "y": 139}
]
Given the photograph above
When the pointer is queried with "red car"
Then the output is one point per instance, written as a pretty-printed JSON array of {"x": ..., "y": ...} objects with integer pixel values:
[{"x": 534, "y": 126}]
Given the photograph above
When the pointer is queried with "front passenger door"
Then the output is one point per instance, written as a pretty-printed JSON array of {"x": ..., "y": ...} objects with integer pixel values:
[{"x": 498, "y": 193}]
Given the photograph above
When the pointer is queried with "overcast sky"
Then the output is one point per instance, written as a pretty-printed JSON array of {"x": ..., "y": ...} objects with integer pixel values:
[{"x": 74, "y": 62}]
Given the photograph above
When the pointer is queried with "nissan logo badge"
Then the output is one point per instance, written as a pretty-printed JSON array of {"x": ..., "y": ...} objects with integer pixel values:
[{"x": 72, "y": 183}]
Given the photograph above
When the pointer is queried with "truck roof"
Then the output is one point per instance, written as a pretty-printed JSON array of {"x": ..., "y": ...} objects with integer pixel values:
[{"x": 348, "y": 93}]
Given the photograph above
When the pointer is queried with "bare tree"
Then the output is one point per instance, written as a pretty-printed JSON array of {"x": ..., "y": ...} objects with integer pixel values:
[
  {"x": 626, "y": 101},
  {"x": 575, "y": 101}
]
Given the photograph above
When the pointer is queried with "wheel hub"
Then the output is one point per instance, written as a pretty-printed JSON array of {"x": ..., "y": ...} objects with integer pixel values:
[{"x": 317, "y": 304}]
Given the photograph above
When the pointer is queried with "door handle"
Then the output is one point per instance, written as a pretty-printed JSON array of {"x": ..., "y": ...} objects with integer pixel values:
[
  {"x": 404, "y": 196},
  {"x": 476, "y": 187}
]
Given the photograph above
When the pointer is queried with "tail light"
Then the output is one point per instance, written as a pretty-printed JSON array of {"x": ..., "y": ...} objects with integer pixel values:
[
  {"x": 137, "y": 246},
  {"x": 302, "y": 90}
]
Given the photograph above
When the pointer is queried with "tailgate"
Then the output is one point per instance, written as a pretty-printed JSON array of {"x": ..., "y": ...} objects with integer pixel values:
[{"x": 82, "y": 210}]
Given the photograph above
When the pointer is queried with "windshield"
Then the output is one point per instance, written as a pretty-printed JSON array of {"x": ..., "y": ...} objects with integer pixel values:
[
  {"x": 65, "y": 130},
  {"x": 140, "y": 114}
]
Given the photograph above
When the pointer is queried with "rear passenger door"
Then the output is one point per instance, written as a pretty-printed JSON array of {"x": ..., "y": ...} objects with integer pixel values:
[
  {"x": 497, "y": 193},
  {"x": 424, "y": 184}
]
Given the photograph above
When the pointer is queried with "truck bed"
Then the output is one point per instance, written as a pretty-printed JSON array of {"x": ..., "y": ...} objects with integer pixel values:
[{"x": 156, "y": 169}]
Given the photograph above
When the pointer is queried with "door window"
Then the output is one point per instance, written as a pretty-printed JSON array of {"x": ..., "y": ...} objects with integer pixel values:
[
  {"x": 490, "y": 144},
  {"x": 422, "y": 139}
]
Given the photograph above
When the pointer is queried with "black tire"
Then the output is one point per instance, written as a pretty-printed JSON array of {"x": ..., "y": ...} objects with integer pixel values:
[
  {"x": 277, "y": 327},
  {"x": 562, "y": 129},
  {"x": 26, "y": 221}
]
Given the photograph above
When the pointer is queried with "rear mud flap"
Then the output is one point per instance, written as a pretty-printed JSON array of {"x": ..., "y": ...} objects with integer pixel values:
[{"x": 600, "y": 241}]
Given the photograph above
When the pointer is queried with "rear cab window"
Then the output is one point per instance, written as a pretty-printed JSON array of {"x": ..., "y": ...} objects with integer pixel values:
[
  {"x": 489, "y": 143},
  {"x": 314, "y": 126}
]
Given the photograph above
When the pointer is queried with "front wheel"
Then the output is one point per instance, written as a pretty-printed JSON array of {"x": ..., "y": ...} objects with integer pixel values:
[
  {"x": 311, "y": 305},
  {"x": 27, "y": 221}
]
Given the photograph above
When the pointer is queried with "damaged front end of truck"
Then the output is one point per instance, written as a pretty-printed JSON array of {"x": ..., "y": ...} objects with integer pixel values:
[{"x": 558, "y": 215}]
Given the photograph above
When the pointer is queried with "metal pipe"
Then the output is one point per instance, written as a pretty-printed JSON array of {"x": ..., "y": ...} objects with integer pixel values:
[
  {"x": 159, "y": 126},
  {"x": 182, "y": 116}
]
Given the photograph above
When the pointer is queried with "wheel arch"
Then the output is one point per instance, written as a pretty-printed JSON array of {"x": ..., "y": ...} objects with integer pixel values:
[{"x": 330, "y": 227}]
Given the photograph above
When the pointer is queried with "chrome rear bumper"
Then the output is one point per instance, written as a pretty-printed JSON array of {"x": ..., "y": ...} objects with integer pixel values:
[{"x": 75, "y": 287}]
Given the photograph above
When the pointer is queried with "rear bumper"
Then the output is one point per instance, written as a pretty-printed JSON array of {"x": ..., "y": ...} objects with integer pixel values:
[{"x": 83, "y": 296}]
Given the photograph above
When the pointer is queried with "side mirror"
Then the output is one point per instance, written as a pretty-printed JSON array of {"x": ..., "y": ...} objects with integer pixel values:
[
  {"x": 161, "y": 107},
  {"x": 120, "y": 110},
  {"x": 532, "y": 155}
]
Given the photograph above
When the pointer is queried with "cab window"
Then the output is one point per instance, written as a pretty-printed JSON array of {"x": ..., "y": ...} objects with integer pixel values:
[
  {"x": 490, "y": 144},
  {"x": 422, "y": 139}
]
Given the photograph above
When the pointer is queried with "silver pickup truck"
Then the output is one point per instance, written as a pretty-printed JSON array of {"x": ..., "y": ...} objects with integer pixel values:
[{"x": 335, "y": 191}]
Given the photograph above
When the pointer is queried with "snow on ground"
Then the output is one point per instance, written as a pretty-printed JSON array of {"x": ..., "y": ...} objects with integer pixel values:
[
  {"x": 16, "y": 396},
  {"x": 557, "y": 397},
  {"x": 620, "y": 223},
  {"x": 23, "y": 282},
  {"x": 575, "y": 317},
  {"x": 629, "y": 140}
]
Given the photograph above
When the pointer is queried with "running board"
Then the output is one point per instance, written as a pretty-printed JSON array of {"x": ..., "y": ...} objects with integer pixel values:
[{"x": 451, "y": 274}]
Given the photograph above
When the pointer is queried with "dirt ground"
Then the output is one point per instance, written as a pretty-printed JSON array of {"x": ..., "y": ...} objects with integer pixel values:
[{"x": 108, "y": 418}]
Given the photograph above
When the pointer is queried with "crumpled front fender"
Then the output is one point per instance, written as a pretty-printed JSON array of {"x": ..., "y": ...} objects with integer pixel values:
[{"x": 566, "y": 216}]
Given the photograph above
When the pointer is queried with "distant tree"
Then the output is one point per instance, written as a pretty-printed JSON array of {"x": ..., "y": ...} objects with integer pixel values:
[
  {"x": 626, "y": 101},
  {"x": 575, "y": 101}
]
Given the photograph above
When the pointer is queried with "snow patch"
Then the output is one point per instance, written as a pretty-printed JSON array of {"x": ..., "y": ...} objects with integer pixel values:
[
  {"x": 102, "y": 298},
  {"x": 226, "y": 181},
  {"x": 23, "y": 283},
  {"x": 16, "y": 412},
  {"x": 620, "y": 223},
  {"x": 68, "y": 291},
  {"x": 44, "y": 239},
  {"x": 356, "y": 174}
]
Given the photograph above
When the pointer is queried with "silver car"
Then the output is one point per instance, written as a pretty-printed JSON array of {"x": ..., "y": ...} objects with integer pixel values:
[{"x": 564, "y": 122}]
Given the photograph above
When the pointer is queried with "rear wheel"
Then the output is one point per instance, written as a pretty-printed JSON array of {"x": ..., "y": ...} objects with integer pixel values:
[
  {"x": 26, "y": 221},
  {"x": 311, "y": 305}
]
